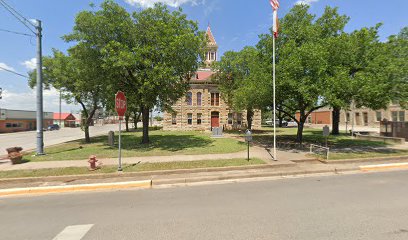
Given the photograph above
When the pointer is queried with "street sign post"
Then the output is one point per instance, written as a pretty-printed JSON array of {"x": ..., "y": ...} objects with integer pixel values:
[
  {"x": 248, "y": 139},
  {"x": 326, "y": 133},
  {"x": 120, "y": 107}
]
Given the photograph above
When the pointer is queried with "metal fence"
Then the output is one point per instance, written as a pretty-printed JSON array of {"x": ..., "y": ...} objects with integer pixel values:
[{"x": 394, "y": 129}]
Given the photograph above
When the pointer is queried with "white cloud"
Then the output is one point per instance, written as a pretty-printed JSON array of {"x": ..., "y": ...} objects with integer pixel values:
[
  {"x": 27, "y": 101},
  {"x": 306, "y": 2},
  {"x": 172, "y": 3},
  {"x": 30, "y": 64},
  {"x": 5, "y": 66}
]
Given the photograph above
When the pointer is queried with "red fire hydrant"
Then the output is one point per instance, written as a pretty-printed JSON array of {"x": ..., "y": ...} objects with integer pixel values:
[{"x": 92, "y": 162}]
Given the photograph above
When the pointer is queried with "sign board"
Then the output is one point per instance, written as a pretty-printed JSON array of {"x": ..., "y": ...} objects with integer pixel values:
[
  {"x": 326, "y": 131},
  {"x": 248, "y": 136},
  {"x": 120, "y": 104}
]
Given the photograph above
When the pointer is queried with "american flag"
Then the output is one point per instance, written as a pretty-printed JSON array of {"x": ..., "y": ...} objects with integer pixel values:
[{"x": 275, "y": 6}]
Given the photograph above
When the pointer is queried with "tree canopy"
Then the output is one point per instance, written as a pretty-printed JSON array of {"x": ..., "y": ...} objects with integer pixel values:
[{"x": 150, "y": 55}]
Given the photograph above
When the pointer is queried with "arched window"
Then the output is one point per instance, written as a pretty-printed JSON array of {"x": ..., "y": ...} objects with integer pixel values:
[
  {"x": 189, "y": 98},
  {"x": 199, "y": 99}
]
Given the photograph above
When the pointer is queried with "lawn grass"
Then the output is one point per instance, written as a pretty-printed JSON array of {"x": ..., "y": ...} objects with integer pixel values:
[
  {"x": 163, "y": 143},
  {"x": 130, "y": 168},
  {"x": 341, "y": 146},
  {"x": 315, "y": 136}
]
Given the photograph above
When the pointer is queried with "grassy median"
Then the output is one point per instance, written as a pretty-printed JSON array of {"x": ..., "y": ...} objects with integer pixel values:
[
  {"x": 364, "y": 154},
  {"x": 131, "y": 168},
  {"x": 163, "y": 143}
]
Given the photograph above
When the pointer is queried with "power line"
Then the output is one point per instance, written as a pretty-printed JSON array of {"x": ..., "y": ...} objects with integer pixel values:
[
  {"x": 11, "y": 71},
  {"x": 18, "y": 16},
  {"x": 14, "y": 10},
  {"x": 19, "y": 33}
]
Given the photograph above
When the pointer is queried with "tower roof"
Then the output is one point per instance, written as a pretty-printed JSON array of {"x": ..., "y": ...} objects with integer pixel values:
[{"x": 211, "y": 38}]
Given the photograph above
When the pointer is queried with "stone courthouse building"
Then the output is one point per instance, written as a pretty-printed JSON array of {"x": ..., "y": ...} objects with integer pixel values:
[{"x": 203, "y": 107}]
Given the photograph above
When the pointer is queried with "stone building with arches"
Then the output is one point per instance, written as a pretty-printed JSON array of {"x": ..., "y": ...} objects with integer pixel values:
[{"x": 203, "y": 107}]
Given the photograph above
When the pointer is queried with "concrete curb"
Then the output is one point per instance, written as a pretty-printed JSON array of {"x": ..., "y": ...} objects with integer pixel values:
[
  {"x": 363, "y": 160},
  {"x": 75, "y": 188},
  {"x": 159, "y": 182},
  {"x": 306, "y": 160},
  {"x": 246, "y": 176},
  {"x": 384, "y": 167},
  {"x": 149, "y": 174}
]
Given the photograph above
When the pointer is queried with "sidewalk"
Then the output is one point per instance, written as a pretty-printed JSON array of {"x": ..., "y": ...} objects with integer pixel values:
[{"x": 284, "y": 157}]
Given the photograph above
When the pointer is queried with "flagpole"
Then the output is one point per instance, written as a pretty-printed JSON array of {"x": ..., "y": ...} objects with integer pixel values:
[{"x": 274, "y": 102}]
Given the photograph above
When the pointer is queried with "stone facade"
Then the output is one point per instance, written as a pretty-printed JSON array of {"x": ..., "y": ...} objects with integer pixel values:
[
  {"x": 372, "y": 118},
  {"x": 203, "y": 107},
  {"x": 207, "y": 115}
]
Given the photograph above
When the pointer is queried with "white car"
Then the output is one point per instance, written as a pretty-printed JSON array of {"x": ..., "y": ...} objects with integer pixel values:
[
  {"x": 270, "y": 122},
  {"x": 291, "y": 124}
]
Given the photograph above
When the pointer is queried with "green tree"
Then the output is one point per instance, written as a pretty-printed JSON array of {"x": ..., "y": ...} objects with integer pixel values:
[
  {"x": 397, "y": 49},
  {"x": 79, "y": 76},
  {"x": 238, "y": 80},
  {"x": 319, "y": 65},
  {"x": 301, "y": 65},
  {"x": 150, "y": 54}
]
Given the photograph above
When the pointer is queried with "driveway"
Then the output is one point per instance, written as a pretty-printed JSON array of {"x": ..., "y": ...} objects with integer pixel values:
[{"x": 27, "y": 140}]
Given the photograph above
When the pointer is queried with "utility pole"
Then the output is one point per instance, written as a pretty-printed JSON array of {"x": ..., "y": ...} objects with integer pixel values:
[
  {"x": 60, "y": 109},
  {"x": 40, "y": 114}
]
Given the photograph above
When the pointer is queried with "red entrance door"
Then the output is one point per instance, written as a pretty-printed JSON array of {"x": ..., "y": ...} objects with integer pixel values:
[{"x": 215, "y": 119}]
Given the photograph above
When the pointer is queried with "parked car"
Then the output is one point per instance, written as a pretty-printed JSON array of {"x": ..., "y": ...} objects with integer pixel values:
[
  {"x": 291, "y": 124},
  {"x": 53, "y": 127},
  {"x": 270, "y": 122}
]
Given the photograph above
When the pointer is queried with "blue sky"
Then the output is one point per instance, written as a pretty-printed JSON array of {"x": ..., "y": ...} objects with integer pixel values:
[{"x": 235, "y": 24}]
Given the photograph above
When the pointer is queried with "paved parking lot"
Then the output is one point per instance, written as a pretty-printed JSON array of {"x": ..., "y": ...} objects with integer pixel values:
[{"x": 27, "y": 140}]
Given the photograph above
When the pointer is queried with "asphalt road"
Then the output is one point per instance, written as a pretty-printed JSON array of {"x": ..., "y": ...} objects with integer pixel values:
[
  {"x": 27, "y": 140},
  {"x": 362, "y": 206}
]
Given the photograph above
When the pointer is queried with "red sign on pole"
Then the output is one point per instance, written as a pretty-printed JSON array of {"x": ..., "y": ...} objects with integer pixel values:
[{"x": 120, "y": 104}]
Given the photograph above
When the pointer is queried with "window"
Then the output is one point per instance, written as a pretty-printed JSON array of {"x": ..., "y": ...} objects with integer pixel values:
[
  {"x": 347, "y": 117},
  {"x": 174, "y": 119},
  {"x": 14, "y": 125},
  {"x": 239, "y": 118},
  {"x": 378, "y": 116},
  {"x": 199, "y": 116},
  {"x": 190, "y": 118},
  {"x": 230, "y": 118},
  {"x": 189, "y": 98},
  {"x": 212, "y": 56},
  {"x": 199, "y": 99},
  {"x": 207, "y": 56},
  {"x": 394, "y": 116},
  {"x": 215, "y": 99},
  {"x": 402, "y": 116}
]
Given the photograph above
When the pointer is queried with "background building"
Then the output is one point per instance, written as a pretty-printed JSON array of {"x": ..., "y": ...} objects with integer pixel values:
[
  {"x": 203, "y": 108},
  {"x": 65, "y": 119},
  {"x": 362, "y": 117},
  {"x": 20, "y": 120},
  {"x": 372, "y": 118}
]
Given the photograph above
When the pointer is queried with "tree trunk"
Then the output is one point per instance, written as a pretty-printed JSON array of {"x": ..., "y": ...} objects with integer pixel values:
[
  {"x": 280, "y": 117},
  {"x": 145, "y": 120},
  {"x": 127, "y": 122},
  {"x": 301, "y": 124},
  {"x": 86, "y": 130},
  {"x": 250, "y": 115},
  {"x": 299, "y": 136},
  {"x": 336, "y": 121},
  {"x": 88, "y": 118}
]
